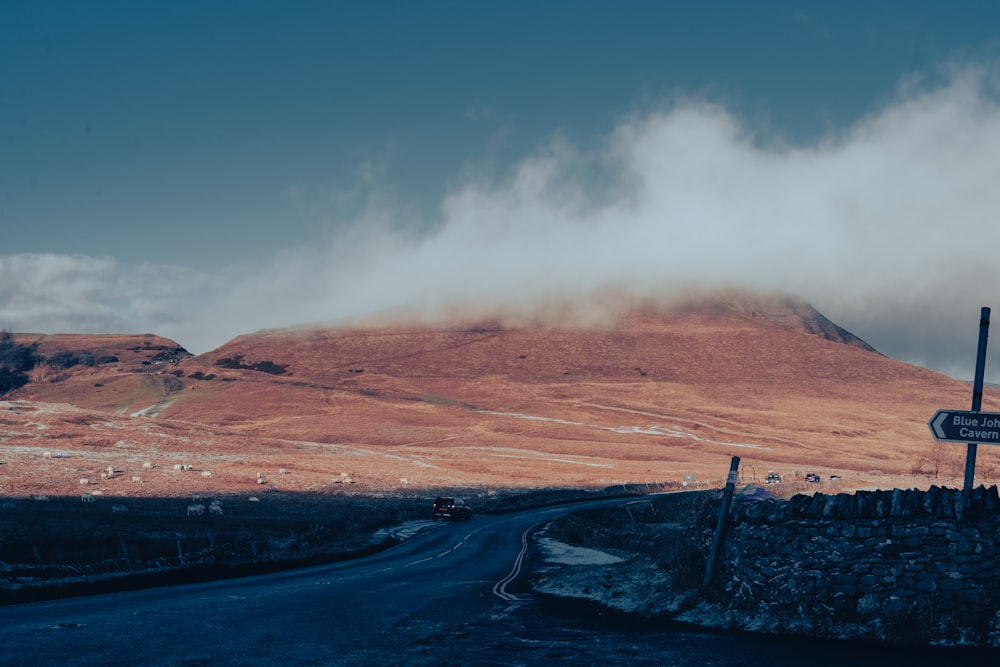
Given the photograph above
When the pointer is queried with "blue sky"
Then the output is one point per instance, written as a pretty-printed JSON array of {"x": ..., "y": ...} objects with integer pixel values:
[{"x": 206, "y": 169}]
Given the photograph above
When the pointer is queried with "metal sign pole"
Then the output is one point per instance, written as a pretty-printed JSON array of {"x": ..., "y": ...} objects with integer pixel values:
[{"x": 977, "y": 395}]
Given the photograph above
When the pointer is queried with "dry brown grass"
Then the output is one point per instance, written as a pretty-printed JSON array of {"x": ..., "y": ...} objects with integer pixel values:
[{"x": 661, "y": 396}]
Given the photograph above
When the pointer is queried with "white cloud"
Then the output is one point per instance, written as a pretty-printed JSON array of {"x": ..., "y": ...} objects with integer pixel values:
[
  {"x": 889, "y": 228},
  {"x": 46, "y": 293},
  {"x": 50, "y": 293}
]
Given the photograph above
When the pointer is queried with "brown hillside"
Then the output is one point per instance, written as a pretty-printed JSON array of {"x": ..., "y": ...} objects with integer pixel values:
[
  {"x": 104, "y": 371},
  {"x": 125, "y": 348},
  {"x": 660, "y": 395}
]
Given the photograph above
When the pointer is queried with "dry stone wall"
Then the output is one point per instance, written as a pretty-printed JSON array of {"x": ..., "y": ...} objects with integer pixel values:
[{"x": 899, "y": 565}]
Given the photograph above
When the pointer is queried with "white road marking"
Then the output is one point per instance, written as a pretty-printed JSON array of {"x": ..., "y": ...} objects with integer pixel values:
[{"x": 500, "y": 588}]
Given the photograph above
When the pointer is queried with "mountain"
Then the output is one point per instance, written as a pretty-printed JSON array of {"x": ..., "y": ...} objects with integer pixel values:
[{"x": 659, "y": 393}]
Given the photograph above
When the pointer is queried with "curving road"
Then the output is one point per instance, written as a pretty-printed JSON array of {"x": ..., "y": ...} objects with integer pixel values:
[
  {"x": 449, "y": 596},
  {"x": 375, "y": 610}
]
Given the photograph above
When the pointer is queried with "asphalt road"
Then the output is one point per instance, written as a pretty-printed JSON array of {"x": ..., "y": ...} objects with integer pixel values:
[
  {"x": 384, "y": 609},
  {"x": 453, "y": 595}
]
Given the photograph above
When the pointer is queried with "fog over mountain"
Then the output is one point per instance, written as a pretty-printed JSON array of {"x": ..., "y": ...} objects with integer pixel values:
[{"x": 888, "y": 228}]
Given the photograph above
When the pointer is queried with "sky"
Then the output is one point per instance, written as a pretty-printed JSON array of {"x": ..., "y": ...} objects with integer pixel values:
[{"x": 201, "y": 170}]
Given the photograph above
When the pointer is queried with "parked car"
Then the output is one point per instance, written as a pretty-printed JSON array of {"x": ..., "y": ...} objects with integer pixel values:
[
  {"x": 772, "y": 478},
  {"x": 812, "y": 477},
  {"x": 446, "y": 507}
]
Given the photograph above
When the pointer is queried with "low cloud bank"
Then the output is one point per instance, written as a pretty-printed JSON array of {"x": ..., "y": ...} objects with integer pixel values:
[{"x": 889, "y": 228}]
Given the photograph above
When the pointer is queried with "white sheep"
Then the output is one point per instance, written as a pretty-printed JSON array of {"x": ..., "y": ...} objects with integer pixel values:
[
  {"x": 84, "y": 481},
  {"x": 282, "y": 471},
  {"x": 119, "y": 509},
  {"x": 404, "y": 481},
  {"x": 206, "y": 473},
  {"x": 137, "y": 479},
  {"x": 253, "y": 499},
  {"x": 196, "y": 510},
  {"x": 148, "y": 465},
  {"x": 46, "y": 455},
  {"x": 215, "y": 508},
  {"x": 40, "y": 498},
  {"x": 111, "y": 472},
  {"x": 87, "y": 498}
]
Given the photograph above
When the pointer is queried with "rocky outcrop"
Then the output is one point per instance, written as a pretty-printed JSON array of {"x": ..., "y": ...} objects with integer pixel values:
[{"x": 790, "y": 312}]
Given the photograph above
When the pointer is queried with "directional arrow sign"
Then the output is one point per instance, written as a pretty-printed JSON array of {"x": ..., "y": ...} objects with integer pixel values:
[{"x": 969, "y": 427}]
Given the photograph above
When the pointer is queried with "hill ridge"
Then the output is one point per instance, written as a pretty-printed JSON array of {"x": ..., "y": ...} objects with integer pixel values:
[{"x": 662, "y": 391}]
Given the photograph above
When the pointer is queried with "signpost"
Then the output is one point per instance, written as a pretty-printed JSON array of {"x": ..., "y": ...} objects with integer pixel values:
[
  {"x": 957, "y": 426},
  {"x": 972, "y": 427}
]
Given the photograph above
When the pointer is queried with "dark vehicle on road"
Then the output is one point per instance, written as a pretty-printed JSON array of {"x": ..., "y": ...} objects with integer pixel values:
[
  {"x": 812, "y": 477},
  {"x": 773, "y": 478},
  {"x": 446, "y": 507}
]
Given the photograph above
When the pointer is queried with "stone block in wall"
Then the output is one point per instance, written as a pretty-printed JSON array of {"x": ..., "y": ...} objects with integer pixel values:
[
  {"x": 883, "y": 505},
  {"x": 902, "y": 503},
  {"x": 873, "y": 542},
  {"x": 864, "y": 502},
  {"x": 968, "y": 547},
  {"x": 972, "y": 597},
  {"x": 889, "y": 549},
  {"x": 958, "y": 505},
  {"x": 895, "y": 606},
  {"x": 799, "y": 504},
  {"x": 970, "y": 567},
  {"x": 939, "y": 528},
  {"x": 843, "y": 579},
  {"x": 904, "y": 593},
  {"x": 848, "y": 509},
  {"x": 931, "y": 501},
  {"x": 936, "y": 549},
  {"x": 856, "y": 552},
  {"x": 954, "y": 534},
  {"x": 992, "y": 501},
  {"x": 983, "y": 502},
  {"x": 950, "y": 583},
  {"x": 869, "y": 604}
]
